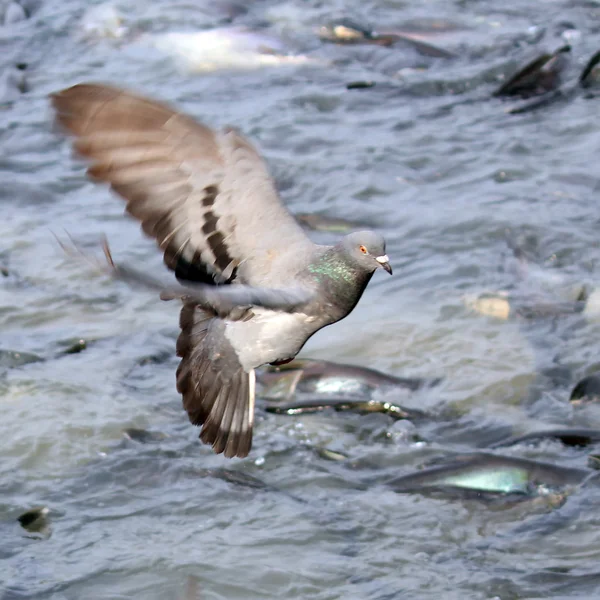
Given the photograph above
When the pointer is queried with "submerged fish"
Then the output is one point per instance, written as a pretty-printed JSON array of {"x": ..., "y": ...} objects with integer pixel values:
[
  {"x": 539, "y": 292},
  {"x": 344, "y": 404},
  {"x": 327, "y": 378},
  {"x": 501, "y": 305},
  {"x": 143, "y": 436},
  {"x": 73, "y": 346},
  {"x": 346, "y": 31},
  {"x": 594, "y": 461},
  {"x": 13, "y": 13},
  {"x": 13, "y": 83},
  {"x": 222, "y": 48},
  {"x": 35, "y": 520},
  {"x": 540, "y": 76},
  {"x": 590, "y": 76},
  {"x": 329, "y": 454},
  {"x": 569, "y": 437},
  {"x": 103, "y": 21},
  {"x": 489, "y": 474},
  {"x": 585, "y": 391},
  {"x": 549, "y": 78},
  {"x": 12, "y": 359}
]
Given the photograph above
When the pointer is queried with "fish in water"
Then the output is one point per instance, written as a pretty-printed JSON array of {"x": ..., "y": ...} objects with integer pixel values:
[
  {"x": 13, "y": 359},
  {"x": 143, "y": 436},
  {"x": 489, "y": 474},
  {"x": 569, "y": 437},
  {"x": 35, "y": 520},
  {"x": 538, "y": 77},
  {"x": 537, "y": 293},
  {"x": 325, "y": 378},
  {"x": 594, "y": 461},
  {"x": 103, "y": 21},
  {"x": 222, "y": 48},
  {"x": 590, "y": 75},
  {"x": 201, "y": 51},
  {"x": 210, "y": 203},
  {"x": 13, "y": 83},
  {"x": 346, "y": 31},
  {"x": 544, "y": 78},
  {"x": 586, "y": 391},
  {"x": 13, "y": 13},
  {"x": 500, "y": 305},
  {"x": 346, "y": 405}
]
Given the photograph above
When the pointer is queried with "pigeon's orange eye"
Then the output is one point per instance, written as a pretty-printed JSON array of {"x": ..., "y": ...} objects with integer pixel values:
[{"x": 363, "y": 249}]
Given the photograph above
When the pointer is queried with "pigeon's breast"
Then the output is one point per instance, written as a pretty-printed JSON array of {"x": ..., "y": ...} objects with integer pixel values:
[{"x": 269, "y": 336}]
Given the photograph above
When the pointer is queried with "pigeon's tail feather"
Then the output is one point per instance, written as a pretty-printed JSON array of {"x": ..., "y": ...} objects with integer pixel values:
[{"x": 217, "y": 392}]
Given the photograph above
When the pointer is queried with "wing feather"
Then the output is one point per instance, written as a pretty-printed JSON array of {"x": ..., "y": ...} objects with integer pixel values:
[
  {"x": 206, "y": 197},
  {"x": 217, "y": 391}
]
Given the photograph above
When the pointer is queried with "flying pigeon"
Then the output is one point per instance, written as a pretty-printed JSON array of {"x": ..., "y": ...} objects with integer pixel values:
[{"x": 254, "y": 287}]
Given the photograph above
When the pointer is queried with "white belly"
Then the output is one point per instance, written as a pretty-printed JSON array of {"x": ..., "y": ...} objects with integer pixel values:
[{"x": 269, "y": 336}]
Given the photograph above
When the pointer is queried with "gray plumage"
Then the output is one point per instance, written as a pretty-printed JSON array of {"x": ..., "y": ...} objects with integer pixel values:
[{"x": 254, "y": 288}]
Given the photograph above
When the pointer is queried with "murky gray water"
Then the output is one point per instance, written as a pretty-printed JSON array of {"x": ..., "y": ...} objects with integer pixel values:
[{"x": 434, "y": 164}]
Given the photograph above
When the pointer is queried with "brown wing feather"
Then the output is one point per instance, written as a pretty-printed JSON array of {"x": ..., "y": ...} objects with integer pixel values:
[
  {"x": 217, "y": 393},
  {"x": 202, "y": 195}
]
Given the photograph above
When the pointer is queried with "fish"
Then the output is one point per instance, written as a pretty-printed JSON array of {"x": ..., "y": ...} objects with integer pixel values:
[
  {"x": 489, "y": 474},
  {"x": 222, "y": 48},
  {"x": 569, "y": 437},
  {"x": 323, "y": 378},
  {"x": 586, "y": 390},
  {"x": 344, "y": 404},
  {"x": 346, "y": 31}
]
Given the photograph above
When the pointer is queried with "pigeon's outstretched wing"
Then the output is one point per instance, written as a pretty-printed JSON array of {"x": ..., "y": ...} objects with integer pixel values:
[{"x": 205, "y": 196}]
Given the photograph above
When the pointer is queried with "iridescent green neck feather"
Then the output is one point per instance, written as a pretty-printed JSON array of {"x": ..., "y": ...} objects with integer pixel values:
[
  {"x": 332, "y": 267},
  {"x": 340, "y": 279}
]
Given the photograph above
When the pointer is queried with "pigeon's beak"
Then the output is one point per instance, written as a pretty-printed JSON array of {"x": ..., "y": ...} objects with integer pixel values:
[{"x": 384, "y": 262}]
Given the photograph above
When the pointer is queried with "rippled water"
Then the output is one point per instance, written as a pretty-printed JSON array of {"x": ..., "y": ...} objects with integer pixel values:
[{"x": 431, "y": 161}]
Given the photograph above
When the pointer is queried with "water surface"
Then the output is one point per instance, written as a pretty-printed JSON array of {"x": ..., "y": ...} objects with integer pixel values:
[{"x": 446, "y": 175}]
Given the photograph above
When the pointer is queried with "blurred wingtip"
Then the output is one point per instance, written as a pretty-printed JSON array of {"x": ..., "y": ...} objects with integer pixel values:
[
  {"x": 73, "y": 249},
  {"x": 107, "y": 253}
]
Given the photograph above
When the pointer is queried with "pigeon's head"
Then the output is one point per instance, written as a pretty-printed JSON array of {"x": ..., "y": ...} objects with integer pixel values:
[{"x": 367, "y": 248}]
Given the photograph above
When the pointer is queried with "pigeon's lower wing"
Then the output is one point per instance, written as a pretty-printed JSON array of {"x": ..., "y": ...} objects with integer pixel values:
[
  {"x": 205, "y": 196},
  {"x": 218, "y": 393}
]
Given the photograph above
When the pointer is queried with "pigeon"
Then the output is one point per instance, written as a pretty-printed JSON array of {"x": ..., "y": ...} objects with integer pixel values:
[{"x": 254, "y": 288}]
